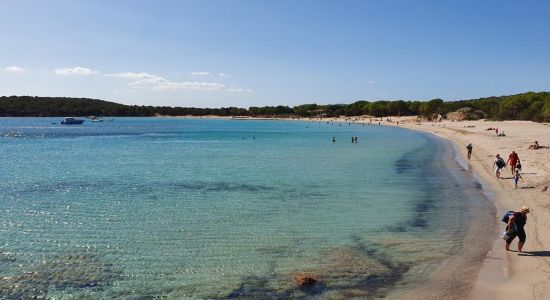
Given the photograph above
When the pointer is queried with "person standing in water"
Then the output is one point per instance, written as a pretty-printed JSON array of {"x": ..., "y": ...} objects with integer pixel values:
[
  {"x": 470, "y": 148},
  {"x": 333, "y": 139},
  {"x": 517, "y": 221}
]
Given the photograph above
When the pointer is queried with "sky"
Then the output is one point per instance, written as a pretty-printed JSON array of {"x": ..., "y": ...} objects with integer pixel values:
[{"x": 219, "y": 53}]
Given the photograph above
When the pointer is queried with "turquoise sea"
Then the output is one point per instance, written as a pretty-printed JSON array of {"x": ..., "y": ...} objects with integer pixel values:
[{"x": 138, "y": 208}]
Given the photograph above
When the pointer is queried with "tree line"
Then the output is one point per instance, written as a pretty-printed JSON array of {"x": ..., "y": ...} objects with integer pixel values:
[{"x": 526, "y": 106}]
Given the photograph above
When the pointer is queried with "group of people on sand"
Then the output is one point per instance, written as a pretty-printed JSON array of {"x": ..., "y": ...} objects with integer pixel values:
[
  {"x": 515, "y": 221},
  {"x": 496, "y": 131},
  {"x": 499, "y": 164},
  {"x": 514, "y": 163}
]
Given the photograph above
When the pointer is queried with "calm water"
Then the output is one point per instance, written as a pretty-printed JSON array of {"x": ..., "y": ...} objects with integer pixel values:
[{"x": 145, "y": 207}]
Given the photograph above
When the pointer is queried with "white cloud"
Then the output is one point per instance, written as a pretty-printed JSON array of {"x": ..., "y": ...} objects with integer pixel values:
[
  {"x": 152, "y": 81},
  {"x": 189, "y": 85},
  {"x": 371, "y": 82},
  {"x": 238, "y": 90},
  {"x": 80, "y": 71},
  {"x": 223, "y": 75},
  {"x": 139, "y": 79},
  {"x": 201, "y": 73},
  {"x": 14, "y": 69}
]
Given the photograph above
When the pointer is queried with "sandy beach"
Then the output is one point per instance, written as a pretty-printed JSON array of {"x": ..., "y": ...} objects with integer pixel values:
[
  {"x": 504, "y": 274},
  {"x": 507, "y": 275}
]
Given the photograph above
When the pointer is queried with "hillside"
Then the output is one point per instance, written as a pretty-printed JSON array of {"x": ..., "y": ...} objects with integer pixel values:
[{"x": 527, "y": 106}]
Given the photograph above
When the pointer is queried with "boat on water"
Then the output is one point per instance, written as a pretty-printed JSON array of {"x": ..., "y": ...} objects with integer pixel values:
[
  {"x": 71, "y": 121},
  {"x": 95, "y": 119}
]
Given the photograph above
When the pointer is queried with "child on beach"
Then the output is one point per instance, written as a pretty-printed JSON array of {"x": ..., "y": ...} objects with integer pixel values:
[{"x": 517, "y": 177}]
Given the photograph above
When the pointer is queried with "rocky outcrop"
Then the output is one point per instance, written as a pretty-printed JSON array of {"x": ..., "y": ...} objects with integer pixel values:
[
  {"x": 464, "y": 114},
  {"x": 305, "y": 279}
]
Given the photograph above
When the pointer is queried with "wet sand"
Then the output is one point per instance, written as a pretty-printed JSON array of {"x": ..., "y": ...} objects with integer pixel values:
[{"x": 507, "y": 275}]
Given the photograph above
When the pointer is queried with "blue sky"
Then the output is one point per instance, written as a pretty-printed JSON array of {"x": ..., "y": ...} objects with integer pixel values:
[{"x": 244, "y": 53}]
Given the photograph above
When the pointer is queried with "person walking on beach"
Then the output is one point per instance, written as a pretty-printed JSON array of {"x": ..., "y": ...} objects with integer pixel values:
[
  {"x": 498, "y": 164},
  {"x": 469, "y": 147},
  {"x": 513, "y": 160},
  {"x": 517, "y": 222},
  {"x": 517, "y": 177}
]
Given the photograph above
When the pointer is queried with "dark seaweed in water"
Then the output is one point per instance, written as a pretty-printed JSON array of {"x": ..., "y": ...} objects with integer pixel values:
[
  {"x": 6, "y": 257},
  {"x": 79, "y": 271},
  {"x": 218, "y": 187},
  {"x": 403, "y": 164},
  {"x": 256, "y": 287},
  {"x": 424, "y": 167},
  {"x": 356, "y": 271}
]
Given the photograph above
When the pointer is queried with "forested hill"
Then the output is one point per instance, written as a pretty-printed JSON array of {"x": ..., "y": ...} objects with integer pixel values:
[
  {"x": 526, "y": 106},
  {"x": 27, "y": 106}
]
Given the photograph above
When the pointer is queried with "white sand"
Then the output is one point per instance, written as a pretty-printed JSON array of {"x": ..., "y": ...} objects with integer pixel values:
[{"x": 508, "y": 275}]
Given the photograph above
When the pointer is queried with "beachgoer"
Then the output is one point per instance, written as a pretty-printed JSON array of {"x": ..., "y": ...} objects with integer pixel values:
[
  {"x": 517, "y": 177},
  {"x": 517, "y": 222},
  {"x": 352, "y": 139},
  {"x": 333, "y": 139},
  {"x": 498, "y": 164},
  {"x": 513, "y": 160},
  {"x": 469, "y": 147},
  {"x": 496, "y": 131},
  {"x": 356, "y": 139},
  {"x": 535, "y": 146}
]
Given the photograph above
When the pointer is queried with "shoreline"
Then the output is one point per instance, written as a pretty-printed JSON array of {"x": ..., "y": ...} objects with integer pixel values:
[
  {"x": 508, "y": 275},
  {"x": 451, "y": 279},
  {"x": 502, "y": 275}
]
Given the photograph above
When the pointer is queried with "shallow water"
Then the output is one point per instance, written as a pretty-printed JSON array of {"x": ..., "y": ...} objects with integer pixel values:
[{"x": 145, "y": 207}]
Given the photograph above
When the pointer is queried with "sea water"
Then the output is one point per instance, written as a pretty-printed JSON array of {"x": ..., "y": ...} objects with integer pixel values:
[{"x": 204, "y": 208}]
